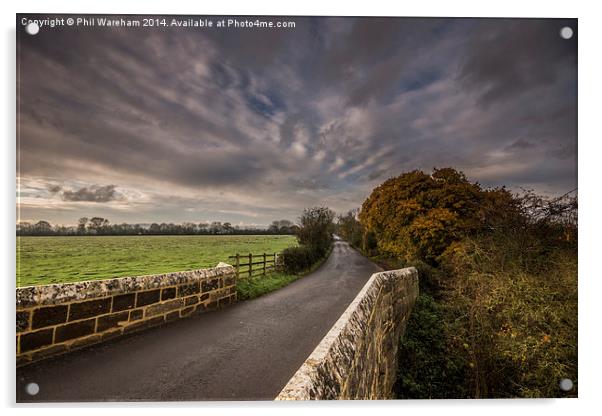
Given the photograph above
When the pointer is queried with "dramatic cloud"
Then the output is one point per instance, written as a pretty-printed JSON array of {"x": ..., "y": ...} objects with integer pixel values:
[
  {"x": 91, "y": 194},
  {"x": 247, "y": 126},
  {"x": 515, "y": 56}
]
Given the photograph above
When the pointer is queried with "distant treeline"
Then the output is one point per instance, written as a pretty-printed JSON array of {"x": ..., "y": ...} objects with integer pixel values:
[{"x": 102, "y": 226}]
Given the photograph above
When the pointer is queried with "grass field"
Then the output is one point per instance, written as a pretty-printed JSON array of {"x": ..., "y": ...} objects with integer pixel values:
[{"x": 44, "y": 260}]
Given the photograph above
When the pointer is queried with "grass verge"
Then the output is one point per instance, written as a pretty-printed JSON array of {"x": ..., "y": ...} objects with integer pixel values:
[{"x": 252, "y": 288}]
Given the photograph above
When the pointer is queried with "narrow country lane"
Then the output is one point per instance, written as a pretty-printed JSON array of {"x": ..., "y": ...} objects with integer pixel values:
[{"x": 245, "y": 352}]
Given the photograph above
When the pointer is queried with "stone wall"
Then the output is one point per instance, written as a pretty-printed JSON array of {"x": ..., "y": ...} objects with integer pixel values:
[
  {"x": 357, "y": 359},
  {"x": 54, "y": 319}
]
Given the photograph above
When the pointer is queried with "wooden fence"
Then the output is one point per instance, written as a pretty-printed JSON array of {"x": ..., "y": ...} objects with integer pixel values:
[{"x": 250, "y": 265}]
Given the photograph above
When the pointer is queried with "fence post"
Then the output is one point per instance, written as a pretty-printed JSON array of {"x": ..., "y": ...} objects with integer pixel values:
[
  {"x": 237, "y": 266},
  {"x": 264, "y": 264},
  {"x": 250, "y": 265}
]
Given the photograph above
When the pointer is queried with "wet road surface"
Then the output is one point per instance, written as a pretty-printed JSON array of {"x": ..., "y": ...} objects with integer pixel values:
[{"x": 247, "y": 351}]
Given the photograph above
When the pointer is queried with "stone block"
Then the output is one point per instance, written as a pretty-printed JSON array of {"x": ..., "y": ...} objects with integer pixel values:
[
  {"x": 48, "y": 316},
  {"x": 89, "y": 309},
  {"x": 35, "y": 340},
  {"x": 168, "y": 293},
  {"x": 148, "y": 297},
  {"x": 188, "y": 289},
  {"x": 111, "y": 321},
  {"x": 209, "y": 285},
  {"x": 218, "y": 294},
  {"x": 142, "y": 324},
  {"x": 112, "y": 333},
  {"x": 22, "y": 321},
  {"x": 74, "y": 330},
  {"x": 191, "y": 300},
  {"x": 124, "y": 302},
  {"x": 26, "y": 297},
  {"x": 136, "y": 314},
  {"x": 172, "y": 316},
  {"x": 161, "y": 308},
  {"x": 186, "y": 311},
  {"x": 86, "y": 341},
  {"x": 48, "y": 352}
]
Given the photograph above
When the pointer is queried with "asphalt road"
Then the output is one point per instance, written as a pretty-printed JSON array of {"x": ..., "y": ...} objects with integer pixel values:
[{"x": 247, "y": 351}]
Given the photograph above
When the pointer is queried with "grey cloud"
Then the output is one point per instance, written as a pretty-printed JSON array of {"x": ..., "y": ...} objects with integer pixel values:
[
  {"x": 284, "y": 119},
  {"x": 563, "y": 152},
  {"x": 376, "y": 174},
  {"x": 91, "y": 194},
  {"x": 508, "y": 56},
  {"x": 520, "y": 144},
  {"x": 380, "y": 79},
  {"x": 308, "y": 183},
  {"x": 374, "y": 55}
]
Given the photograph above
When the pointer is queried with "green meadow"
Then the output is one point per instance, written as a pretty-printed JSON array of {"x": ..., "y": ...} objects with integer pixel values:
[{"x": 46, "y": 260}]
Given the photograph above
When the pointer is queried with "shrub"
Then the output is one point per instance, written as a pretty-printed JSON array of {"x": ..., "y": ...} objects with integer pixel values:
[
  {"x": 516, "y": 322},
  {"x": 427, "y": 369},
  {"x": 314, "y": 234},
  {"x": 295, "y": 260},
  {"x": 431, "y": 277},
  {"x": 497, "y": 326},
  {"x": 315, "y": 229}
]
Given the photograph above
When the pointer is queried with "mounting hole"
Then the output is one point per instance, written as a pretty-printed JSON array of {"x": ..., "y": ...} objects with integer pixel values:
[
  {"x": 32, "y": 28},
  {"x": 32, "y": 389},
  {"x": 566, "y": 32},
  {"x": 566, "y": 384}
]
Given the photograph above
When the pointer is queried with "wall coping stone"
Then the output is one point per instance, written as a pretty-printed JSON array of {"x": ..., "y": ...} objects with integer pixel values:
[
  {"x": 55, "y": 294},
  {"x": 302, "y": 382}
]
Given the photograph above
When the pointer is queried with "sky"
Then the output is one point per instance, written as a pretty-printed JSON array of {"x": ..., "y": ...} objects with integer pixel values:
[{"x": 248, "y": 126}]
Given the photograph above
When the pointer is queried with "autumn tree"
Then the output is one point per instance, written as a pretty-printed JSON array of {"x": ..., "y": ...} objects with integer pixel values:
[{"x": 417, "y": 215}]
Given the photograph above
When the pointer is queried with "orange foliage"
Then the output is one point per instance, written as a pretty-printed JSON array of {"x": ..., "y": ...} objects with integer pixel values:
[{"x": 417, "y": 215}]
